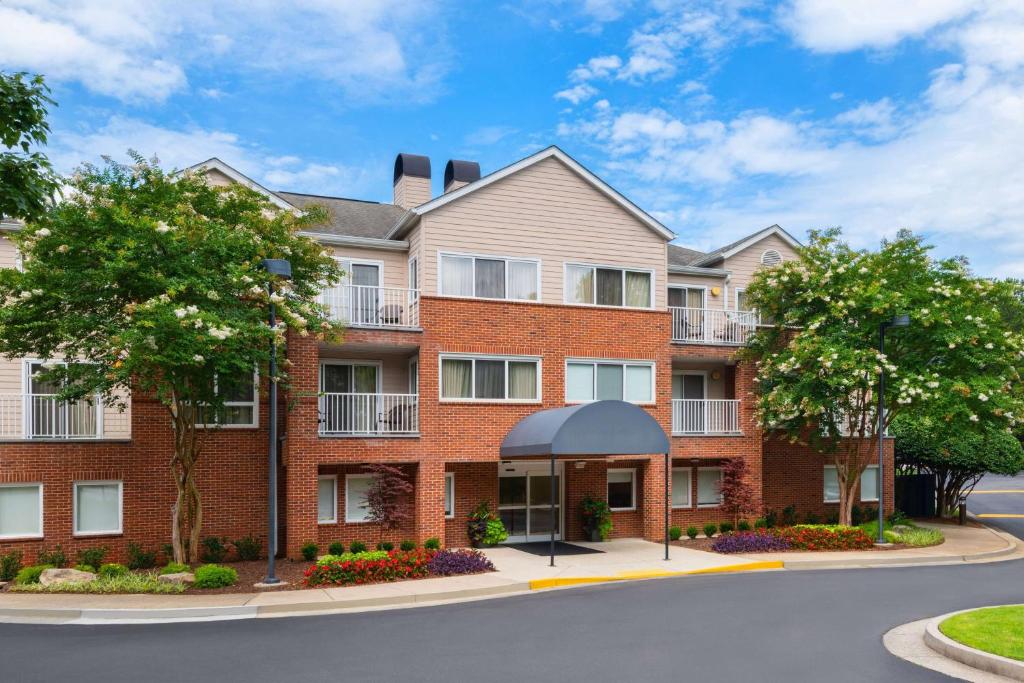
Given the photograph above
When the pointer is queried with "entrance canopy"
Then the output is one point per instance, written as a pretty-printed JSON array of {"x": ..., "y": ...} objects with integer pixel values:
[{"x": 598, "y": 428}]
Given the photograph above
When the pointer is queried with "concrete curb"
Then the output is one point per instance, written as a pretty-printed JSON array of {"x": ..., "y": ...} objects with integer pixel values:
[
  {"x": 947, "y": 647},
  {"x": 566, "y": 581}
]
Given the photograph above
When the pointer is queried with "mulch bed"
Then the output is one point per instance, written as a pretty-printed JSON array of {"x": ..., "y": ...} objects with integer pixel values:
[{"x": 254, "y": 572}]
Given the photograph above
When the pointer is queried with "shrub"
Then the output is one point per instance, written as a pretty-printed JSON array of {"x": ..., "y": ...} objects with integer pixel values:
[
  {"x": 248, "y": 548},
  {"x": 788, "y": 515},
  {"x": 691, "y": 531},
  {"x": 812, "y": 519},
  {"x": 168, "y": 551},
  {"x": 85, "y": 568},
  {"x": 30, "y": 574},
  {"x": 127, "y": 583},
  {"x": 92, "y": 556},
  {"x": 725, "y": 527},
  {"x": 750, "y": 542},
  {"x": 309, "y": 550},
  {"x": 811, "y": 537},
  {"x": 675, "y": 533},
  {"x": 407, "y": 545},
  {"x": 484, "y": 527},
  {"x": 357, "y": 547},
  {"x": 832, "y": 518},
  {"x": 856, "y": 515},
  {"x": 112, "y": 570},
  {"x": 465, "y": 561},
  {"x": 914, "y": 536},
  {"x": 432, "y": 543},
  {"x": 214, "y": 550},
  {"x": 139, "y": 558},
  {"x": 710, "y": 528},
  {"x": 174, "y": 568},
  {"x": 761, "y": 523},
  {"x": 597, "y": 516},
  {"x": 54, "y": 558},
  {"x": 386, "y": 546},
  {"x": 336, "y": 548},
  {"x": 393, "y": 566},
  {"x": 350, "y": 557},
  {"x": 771, "y": 519},
  {"x": 215, "y": 576},
  {"x": 897, "y": 517},
  {"x": 10, "y": 564},
  {"x": 743, "y": 525}
]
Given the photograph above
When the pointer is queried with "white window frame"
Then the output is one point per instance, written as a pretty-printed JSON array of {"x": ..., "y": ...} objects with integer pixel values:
[
  {"x": 449, "y": 484},
  {"x": 413, "y": 272},
  {"x": 348, "y": 493},
  {"x": 353, "y": 362},
  {"x": 708, "y": 505},
  {"x": 683, "y": 285},
  {"x": 689, "y": 492},
  {"x": 736, "y": 300},
  {"x": 26, "y": 408},
  {"x": 614, "y": 361},
  {"x": 595, "y": 267},
  {"x": 823, "y": 496},
  {"x": 347, "y": 279},
  {"x": 874, "y": 470},
  {"x": 120, "y": 508},
  {"x": 229, "y": 404},
  {"x": 632, "y": 476},
  {"x": 475, "y": 357},
  {"x": 486, "y": 257},
  {"x": 334, "y": 512},
  {"x": 23, "y": 485}
]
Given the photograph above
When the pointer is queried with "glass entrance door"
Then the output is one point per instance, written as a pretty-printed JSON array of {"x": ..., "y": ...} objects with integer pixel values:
[{"x": 524, "y": 497}]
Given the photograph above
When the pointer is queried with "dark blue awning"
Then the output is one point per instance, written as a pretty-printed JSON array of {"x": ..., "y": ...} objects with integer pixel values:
[{"x": 598, "y": 428}]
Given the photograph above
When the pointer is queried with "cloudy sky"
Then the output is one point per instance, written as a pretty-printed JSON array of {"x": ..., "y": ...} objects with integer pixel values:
[{"x": 719, "y": 117}]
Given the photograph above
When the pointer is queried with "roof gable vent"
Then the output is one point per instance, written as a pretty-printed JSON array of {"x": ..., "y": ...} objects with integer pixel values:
[{"x": 771, "y": 257}]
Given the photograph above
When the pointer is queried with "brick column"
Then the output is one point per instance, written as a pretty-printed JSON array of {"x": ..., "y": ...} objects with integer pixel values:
[
  {"x": 753, "y": 449},
  {"x": 654, "y": 498},
  {"x": 429, "y": 496},
  {"x": 301, "y": 444}
]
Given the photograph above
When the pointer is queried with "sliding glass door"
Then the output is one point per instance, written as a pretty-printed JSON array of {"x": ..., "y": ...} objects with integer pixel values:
[{"x": 524, "y": 501}]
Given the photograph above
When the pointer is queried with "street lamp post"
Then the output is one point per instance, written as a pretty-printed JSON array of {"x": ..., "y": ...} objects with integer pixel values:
[
  {"x": 277, "y": 268},
  {"x": 901, "y": 320}
]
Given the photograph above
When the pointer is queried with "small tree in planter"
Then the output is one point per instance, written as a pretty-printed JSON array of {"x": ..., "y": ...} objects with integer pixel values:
[
  {"x": 737, "y": 493},
  {"x": 484, "y": 527},
  {"x": 387, "y": 498},
  {"x": 597, "y": 518}
]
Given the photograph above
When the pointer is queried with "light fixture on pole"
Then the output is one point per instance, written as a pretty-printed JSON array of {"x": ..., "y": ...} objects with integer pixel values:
[
  {"x": 900, "y": 320},
  {"x": 276, "y": 268}
]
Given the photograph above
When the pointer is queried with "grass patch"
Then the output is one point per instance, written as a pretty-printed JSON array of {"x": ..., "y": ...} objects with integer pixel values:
[
  {"x": 905, "y": 533},
  {"x": 999, "y": 630},
  {"x": 126, "y": 583}
]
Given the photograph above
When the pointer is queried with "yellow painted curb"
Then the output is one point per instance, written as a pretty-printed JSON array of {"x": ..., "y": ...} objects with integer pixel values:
[
  {"x": 539, "y": 584},
  {"x": 974, "y": 493},
  {"x": 993, "y": 515}
]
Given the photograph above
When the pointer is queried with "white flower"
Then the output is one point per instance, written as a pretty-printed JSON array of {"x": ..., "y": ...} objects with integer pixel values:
[
  {"x": 37, "y": 292},
  {"x": 989, "y": 346},
  {"x": 180, "y": 312},
  {"x": 952, "y": 345},
  {"x": 198, "y": 358},
  {"x": 221, "y": 333},
  {"x": 43, "y": 232},
  {"x": 982, "y": 397},
  {"x": 862, "y": 270},
  {"x": 25, "y": 295},
  {"x": 162, "y": 227},
  {"x": 212, "y": 294},
  {"x": 974, "y": 418},
  {"x": 277, "y": 298},
  {"x": 63, "y": 248},
  {"x": 246, "y": 279}
]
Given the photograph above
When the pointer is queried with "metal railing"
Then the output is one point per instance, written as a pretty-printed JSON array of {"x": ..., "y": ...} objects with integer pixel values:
[
  {"x": 367, "y": 306},
  {"x": 42, "y": 416},
  {"x": 705, "y": 416},
  {"x": 712, "y": 326},
  {"x": 369, "y": 414}
]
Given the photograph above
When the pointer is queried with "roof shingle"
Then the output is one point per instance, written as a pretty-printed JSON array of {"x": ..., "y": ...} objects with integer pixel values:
[{"x": 349, "y": 217}]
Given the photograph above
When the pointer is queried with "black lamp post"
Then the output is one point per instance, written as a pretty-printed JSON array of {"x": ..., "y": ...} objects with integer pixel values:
[
  {"x": 277, "y": 268},
  {"x": 900, "y": 320}
]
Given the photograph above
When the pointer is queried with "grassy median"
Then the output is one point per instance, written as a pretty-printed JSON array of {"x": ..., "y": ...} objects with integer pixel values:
[{"x": 999, "y": 630}]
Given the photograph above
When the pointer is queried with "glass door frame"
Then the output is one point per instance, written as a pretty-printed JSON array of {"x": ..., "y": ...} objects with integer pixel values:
[
  {"x": 528, "y": 469},
  {"x": 379, "y": 376}
]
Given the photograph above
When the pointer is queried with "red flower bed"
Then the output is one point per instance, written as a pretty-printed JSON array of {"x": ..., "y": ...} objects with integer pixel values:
[
  {"x": 824, "y": 538},
  {"x": 398, "y": 565}
]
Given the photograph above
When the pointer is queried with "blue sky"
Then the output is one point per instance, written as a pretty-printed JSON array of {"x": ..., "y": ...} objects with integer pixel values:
[{"x": 719, "y": 117}]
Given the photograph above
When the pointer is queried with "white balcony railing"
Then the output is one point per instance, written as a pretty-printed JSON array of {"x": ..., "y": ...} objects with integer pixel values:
[
  {"x": 366, "y": 306},
  {"x": 369, "y": 414},
  {"x": 42, "y": 416},
  {"x": 705, "y": 416},
  {"x": 712, "y": 326}
]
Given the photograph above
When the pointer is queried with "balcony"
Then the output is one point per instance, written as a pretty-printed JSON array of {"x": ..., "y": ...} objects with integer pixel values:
[
  {"x": 712, "y": 326},
  {"x": 705, "y": 417},
  {"x": 42, "y": 416},
  {"x": 369, "y": 414},
  {"x": 369, "y": 306}
]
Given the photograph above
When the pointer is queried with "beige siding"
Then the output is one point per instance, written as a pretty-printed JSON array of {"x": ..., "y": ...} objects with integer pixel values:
[
  {"x": 546, "y": 212},
  {"x": 394, "y": 263},
  {"x": 744, "y": 263},
  {"x": 416, "y": 249},
  {"x": 217, "y": 179},
  {"x": 711, "y": 300},
  {"x": 394, "y": 370},
  {"x": 8, "y": 253}
]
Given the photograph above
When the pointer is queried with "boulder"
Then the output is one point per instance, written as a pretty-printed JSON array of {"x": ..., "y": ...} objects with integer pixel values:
[
  {"x": 180, "y": 577},
  {"x": 49, "y": 577}
]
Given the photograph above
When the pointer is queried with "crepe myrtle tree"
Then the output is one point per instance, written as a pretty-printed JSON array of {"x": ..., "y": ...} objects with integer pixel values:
[
  {"x": 149, "y": 282},
  {"x": 818, "y": 362}
]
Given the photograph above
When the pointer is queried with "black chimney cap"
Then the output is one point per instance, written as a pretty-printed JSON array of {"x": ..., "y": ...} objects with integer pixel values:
[{"x": 412, "y": 165}]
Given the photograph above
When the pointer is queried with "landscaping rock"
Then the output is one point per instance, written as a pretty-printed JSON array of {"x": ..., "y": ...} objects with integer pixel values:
[
  {"x": 180, "y": 577},
  {"x": 50, "y": 577}
]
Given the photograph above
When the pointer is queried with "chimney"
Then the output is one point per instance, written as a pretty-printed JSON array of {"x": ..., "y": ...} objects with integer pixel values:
[
  {"x": 412, "y": 180},
  {"x": 458, "y": 173}
]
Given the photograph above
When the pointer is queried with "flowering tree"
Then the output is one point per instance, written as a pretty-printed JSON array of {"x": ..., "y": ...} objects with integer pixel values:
[
  {"x": 818, "y": 363},
  {"x": 151, "y": 282},
  {"x": 27, "y": 181},
  {"x": 736, "y": 490},
  {"x": 387, "y": 498}
]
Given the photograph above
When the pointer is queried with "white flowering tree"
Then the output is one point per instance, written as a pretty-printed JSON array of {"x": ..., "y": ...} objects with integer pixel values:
[
  {"x": 818, "y": 362},
  {"x": 150, "y": 283}
]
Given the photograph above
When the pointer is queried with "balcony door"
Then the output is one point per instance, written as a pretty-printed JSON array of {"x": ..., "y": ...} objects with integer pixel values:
[
  {"x": 351, "y": 393},
  {"x": 689, "y": 323},
  {"x": 48, "y": 418},
  {"x": 356, "y": 298},
  {"x": 692, "y": 387}
]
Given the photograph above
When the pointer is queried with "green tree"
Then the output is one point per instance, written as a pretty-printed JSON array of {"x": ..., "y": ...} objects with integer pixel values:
[
  {"x": 27, "y": 182},
  {"x": 957, "y": 458},
  {"x": 150, "y": 283},
  {"x": 818, "y": 363}
]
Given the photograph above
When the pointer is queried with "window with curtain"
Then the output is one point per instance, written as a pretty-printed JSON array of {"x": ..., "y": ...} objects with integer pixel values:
[
  {"x": 709, "y": 480},
  {"x": 327, "y": 499},
  {"x": 608, "y": 380},
  {"x": 21, "y": 510},
  {"x": 607, "y": 286},
  {"x": 622, "y": 489},
  {"x": 681, "y": 487},
  {"x": 356, "y": 488},
  {"x": 97, "y": 507},
  {"x": 741, "y": 300},
  {"x": 449, "y": 494},
  {"x": 489, "y": 277},
  {"x": 868, "y": 484},
  {"x": 831, "y": 484},
  {"x": 490, "y": 379}
]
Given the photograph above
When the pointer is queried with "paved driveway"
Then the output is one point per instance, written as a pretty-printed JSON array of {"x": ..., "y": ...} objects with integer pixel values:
[{"x": 997, "y": 495}]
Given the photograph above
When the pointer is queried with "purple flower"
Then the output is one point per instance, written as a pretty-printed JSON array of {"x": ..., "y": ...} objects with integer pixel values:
[
  {"x": 749, "y": 542},
  {"x": 451, "y": 562}
]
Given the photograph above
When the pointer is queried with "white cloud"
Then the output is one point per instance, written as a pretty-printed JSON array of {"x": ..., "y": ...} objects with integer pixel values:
[
  {"x": 872, "y": 119},
  {"x": 488, "y": 135},
  {"x": 577, "y": 93},
  {"x": 606, "y": 10},
  {"x": 596, "y": 67}
]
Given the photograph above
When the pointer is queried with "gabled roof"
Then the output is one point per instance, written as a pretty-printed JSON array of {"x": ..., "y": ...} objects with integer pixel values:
[
  {"x": 350, "y": 217},
  {"x": 682, "y": 256},
  {"x": 215, "y": 164},
  {"x": 550, "y": 152},
  {"x": 741, "y": 244}
]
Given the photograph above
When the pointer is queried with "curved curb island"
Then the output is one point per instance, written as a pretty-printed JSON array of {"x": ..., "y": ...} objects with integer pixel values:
[{"x": 979, "y": 659}]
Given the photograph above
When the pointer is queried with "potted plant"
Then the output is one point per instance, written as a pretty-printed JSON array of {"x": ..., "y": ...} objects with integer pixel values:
[
  {"x": 597, "y": 519},
  {"x": 484, "y": 527}
]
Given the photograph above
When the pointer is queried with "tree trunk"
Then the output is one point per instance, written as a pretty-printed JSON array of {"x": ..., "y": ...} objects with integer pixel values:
[
  {"x": 846, "y": 486},
  {"x": 187, "y": 514}
]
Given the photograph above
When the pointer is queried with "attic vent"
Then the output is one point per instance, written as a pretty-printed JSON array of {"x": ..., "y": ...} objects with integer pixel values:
[{"x": 771, "y": 258}]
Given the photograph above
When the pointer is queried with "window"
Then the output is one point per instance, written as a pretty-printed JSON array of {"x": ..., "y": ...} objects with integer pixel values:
[
  {"x": 831, "y": 486},
  {"x": 414, "y": 273},
  {"x": 869, "y": 484},
  {"x": 490, "y": 378},
  {"x": 486, "y": 277},
  {"x": 600, "y": 380},
  {"x": 449, "y": 495},
  {"x": 709, "y": 486},
  {"x": 21, "y": 511},
  {"x": 622, "y": 489},
  {"x": 414, "y": 376},
  {"x": 601, "y": 286},
  {"x": 681, "y": 486},
  {"x": 356, "y": 488},
  {"x": 241, "y": 403},
  {"x": 686, "y": 296},
  {"x": 741, "y": 300},
  {"x": 97, "y": 507},
  {"x": 327, "y": 499}
]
